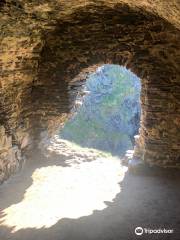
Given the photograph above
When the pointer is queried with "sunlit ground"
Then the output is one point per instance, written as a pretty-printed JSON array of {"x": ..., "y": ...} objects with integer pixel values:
[{"x": 60, "y": 192}]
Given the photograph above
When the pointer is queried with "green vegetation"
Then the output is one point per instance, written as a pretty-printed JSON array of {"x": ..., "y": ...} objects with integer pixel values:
[{"x": 109, "y": 116}]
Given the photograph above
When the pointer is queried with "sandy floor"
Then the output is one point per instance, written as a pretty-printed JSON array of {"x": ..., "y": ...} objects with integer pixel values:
[{"x": 79, "y": 194}]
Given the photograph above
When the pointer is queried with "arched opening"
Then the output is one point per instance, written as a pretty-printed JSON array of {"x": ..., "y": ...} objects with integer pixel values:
[
  {"x": 119, "y": 35},
  {"x": 107, "y": 111}
]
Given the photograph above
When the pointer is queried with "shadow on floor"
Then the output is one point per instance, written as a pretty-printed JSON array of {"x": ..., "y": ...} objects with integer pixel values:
[{"x": 149, "y": 201}]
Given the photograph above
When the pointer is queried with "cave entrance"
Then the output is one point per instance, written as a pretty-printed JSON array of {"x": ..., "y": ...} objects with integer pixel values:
[{"x": 107, "y": 111}]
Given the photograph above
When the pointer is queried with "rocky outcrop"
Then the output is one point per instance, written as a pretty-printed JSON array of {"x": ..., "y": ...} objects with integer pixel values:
[{"x": 48, "y": 47}]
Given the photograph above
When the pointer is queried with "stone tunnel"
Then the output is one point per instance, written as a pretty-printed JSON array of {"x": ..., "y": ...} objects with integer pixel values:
[{"x": 47, "y": 49}]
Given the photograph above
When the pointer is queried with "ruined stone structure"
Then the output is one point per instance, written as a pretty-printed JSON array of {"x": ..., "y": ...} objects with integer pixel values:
[{"x": 47, "y": 48}]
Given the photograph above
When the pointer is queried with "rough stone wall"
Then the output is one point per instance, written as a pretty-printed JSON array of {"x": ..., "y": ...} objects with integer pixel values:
[
  {"x": 18, "y": 66},
  {"x": 44, "y": 45}
]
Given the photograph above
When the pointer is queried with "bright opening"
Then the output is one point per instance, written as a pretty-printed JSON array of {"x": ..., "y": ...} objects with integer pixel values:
[{"x": 109, "y": 117}]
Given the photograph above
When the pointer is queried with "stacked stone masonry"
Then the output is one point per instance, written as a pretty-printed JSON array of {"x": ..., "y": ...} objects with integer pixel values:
[{"x": 48, "y": 47}]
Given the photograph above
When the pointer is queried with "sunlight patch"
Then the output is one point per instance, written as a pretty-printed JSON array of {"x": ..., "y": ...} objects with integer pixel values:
[{"x": 65, "y": 192}]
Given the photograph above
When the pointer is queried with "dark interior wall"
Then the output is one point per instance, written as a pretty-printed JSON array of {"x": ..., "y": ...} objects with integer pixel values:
[{"x": 42, "y": 54}]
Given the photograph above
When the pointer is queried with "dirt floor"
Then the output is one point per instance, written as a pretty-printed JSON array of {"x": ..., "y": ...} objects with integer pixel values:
[{"x": 81, "y": 194}]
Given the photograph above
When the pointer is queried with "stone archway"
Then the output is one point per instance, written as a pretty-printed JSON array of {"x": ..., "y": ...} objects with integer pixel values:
[{"x": 48, "y": 45}]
